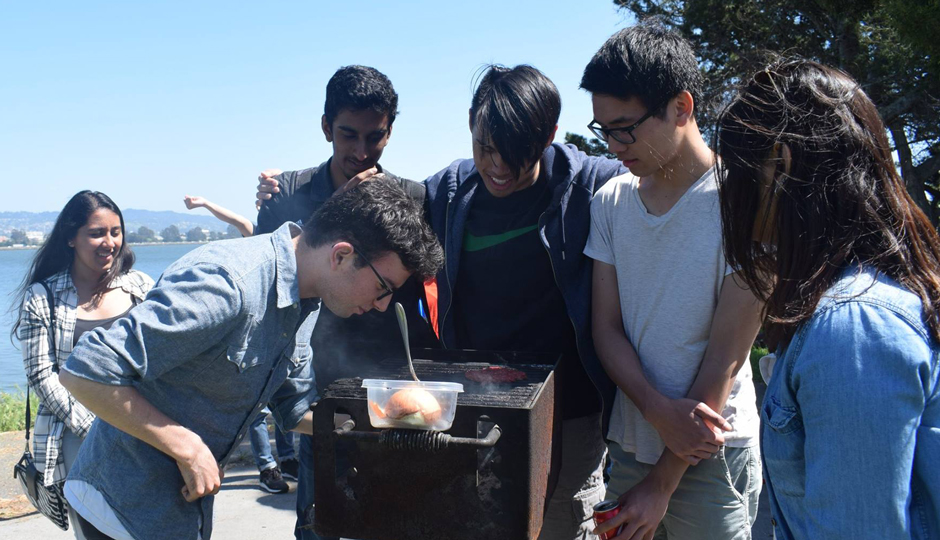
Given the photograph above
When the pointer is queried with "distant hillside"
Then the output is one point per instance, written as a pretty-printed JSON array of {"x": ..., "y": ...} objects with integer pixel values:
[{"x": 133, "y": 219}]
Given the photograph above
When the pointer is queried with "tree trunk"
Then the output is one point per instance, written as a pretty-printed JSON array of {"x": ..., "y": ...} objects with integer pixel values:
[{"x": 915, "y": 185}]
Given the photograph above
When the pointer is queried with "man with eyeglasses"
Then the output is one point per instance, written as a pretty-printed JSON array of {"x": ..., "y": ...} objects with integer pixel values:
[
  {"x": 225, "y": 332},
  {"x": 672, "y": 328},
  {"x": 360, "y": 109}
]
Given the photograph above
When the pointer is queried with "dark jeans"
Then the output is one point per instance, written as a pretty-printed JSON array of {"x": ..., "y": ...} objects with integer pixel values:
[{"x": 305, "y": 491}]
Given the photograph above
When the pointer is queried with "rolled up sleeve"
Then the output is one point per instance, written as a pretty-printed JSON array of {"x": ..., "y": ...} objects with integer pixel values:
[{"x": 192, "y": 309}]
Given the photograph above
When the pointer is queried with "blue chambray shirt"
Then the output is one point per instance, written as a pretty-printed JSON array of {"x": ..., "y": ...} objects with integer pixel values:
[
  {"x": 223, "y": 333},
  {"x": 851, "y": 439}
]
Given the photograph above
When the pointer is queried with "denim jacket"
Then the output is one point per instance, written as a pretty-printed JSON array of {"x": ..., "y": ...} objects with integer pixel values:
[
  {"x": 222, "y": 334},
  {"x": 851, "y": 440},
  {"x": 573, "y": 177}
]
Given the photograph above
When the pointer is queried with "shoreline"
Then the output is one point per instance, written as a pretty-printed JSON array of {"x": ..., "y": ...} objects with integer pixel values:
[{"x": 13, "y": 248}]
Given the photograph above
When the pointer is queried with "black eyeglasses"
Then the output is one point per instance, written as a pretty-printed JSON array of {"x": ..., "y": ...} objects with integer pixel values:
[
  {"x": 388, "y": 290},
  {"x": 623, "y": 135}
]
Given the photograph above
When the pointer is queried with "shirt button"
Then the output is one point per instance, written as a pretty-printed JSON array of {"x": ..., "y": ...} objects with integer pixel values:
[
  {"x": 244, "y": 364},
  {"x": 773, "y": 522},
  {"x": 284, "y": 334}
]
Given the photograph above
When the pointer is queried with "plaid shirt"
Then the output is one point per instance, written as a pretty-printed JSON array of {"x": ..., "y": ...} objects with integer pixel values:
[{"x": 57, "y": 408}]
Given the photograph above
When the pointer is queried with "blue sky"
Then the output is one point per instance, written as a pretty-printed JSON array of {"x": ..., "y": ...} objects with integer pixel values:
[{"x": 149, "y": 102}]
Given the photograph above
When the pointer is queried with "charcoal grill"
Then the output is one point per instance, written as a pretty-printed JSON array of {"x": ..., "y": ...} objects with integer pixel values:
[{"x": 488, "y": 477}]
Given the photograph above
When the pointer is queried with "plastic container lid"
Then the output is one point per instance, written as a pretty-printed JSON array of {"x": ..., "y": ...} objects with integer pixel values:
[{"x": 395, "y": 384}]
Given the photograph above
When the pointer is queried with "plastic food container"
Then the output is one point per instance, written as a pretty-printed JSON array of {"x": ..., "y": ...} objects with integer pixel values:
[{"x": 412, "y": 404}]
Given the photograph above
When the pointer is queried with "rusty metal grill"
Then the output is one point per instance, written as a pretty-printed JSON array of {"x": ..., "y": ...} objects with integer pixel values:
[{"x": 488, "y": 477}]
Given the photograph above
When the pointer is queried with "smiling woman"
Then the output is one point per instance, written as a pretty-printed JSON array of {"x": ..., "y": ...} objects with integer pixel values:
[{"x": 80, "y": 279}]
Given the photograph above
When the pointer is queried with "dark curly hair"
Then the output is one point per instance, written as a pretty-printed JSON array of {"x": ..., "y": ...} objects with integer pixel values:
[
  {"x": 378, "y": 218},
  {"x": 359, "y": 88}
]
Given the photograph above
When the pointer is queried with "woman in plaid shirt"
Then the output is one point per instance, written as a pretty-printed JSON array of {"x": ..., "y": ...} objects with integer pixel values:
[{"x": 87, "y": 269}]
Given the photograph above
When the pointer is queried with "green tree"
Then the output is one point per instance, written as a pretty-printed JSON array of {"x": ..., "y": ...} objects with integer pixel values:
[
  {"x": 889, "y": 46},
  {"x": 195, "y": 235},
  {"x": 592, "y": 147},
  {"x": 18, "y": 237},
  {"x": 146, "y": 234},
  {"x": 171, "y": 234},
  {"x": 232, "y": 232}
]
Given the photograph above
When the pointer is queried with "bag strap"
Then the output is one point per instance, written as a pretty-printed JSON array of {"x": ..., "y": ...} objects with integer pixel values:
[{"x": 50, "y": 298}]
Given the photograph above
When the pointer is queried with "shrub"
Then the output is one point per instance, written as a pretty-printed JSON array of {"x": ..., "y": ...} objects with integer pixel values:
[{"x": 13, "y": 410}]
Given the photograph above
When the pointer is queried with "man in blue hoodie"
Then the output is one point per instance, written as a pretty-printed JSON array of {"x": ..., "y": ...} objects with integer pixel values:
[{"x": 514, "y": 221}]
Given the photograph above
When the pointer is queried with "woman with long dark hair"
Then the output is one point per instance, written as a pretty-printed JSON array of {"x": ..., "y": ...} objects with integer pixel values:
[
  {"x": 820, "y": 223},
  {"x": 83, "y": 274}
]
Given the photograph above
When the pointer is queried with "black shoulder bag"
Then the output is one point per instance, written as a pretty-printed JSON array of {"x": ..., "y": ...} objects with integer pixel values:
[{"x": 49, "y": 500}]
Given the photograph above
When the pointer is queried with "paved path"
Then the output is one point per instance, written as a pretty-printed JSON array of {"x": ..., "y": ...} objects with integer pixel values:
[{"x": 242, "y": 512}]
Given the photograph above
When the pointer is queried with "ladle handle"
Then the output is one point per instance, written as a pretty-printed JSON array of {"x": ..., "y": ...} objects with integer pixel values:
[{"x": 403, "y": 326}]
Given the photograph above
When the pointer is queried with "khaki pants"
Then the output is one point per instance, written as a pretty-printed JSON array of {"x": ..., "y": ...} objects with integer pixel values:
[{"x": 580, "y": 482}]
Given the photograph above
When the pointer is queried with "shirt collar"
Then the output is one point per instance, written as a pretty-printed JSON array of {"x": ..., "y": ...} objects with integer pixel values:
[{"x": 288, "y": 290}]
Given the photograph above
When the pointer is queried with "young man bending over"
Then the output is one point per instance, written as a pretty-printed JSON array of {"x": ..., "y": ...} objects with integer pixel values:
[{"x": 177, "y": 383}]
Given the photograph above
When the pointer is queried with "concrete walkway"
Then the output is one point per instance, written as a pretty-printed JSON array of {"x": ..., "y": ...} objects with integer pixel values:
[{"x": 242, "y": 510}]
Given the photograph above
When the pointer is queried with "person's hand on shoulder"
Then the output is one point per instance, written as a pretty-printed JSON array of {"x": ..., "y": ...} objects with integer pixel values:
[
  {"x": 367, "y": 174},
  {"x": 267, "y": 185}
]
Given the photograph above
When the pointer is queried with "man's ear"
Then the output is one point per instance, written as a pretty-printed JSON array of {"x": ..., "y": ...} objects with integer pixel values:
[
  {"x": 551, "y": 138},
  {"x": 685, "y": 108},
  {"x": 327, "y": 130},
  {"x": 340, "y": 255}
]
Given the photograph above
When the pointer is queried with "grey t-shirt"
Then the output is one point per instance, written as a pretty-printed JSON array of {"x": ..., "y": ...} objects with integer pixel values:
[{"x": 670, "y": 269}]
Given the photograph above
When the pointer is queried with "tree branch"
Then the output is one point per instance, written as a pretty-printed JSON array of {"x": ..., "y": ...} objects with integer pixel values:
[{"x": 899, "y": 106}]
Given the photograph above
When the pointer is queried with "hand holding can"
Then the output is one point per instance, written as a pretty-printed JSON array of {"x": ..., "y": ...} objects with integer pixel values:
[{"x": 603, "y": 511}]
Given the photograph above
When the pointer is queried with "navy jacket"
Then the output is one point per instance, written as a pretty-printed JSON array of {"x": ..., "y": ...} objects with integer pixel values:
[{"x": 573, "y": 177}]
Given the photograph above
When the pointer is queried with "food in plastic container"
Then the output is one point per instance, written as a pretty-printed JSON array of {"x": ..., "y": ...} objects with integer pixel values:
[{"x": 411, "y": 404}]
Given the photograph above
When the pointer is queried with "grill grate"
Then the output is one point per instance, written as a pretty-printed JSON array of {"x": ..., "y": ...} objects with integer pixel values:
[{"x": 516, "y": 395}]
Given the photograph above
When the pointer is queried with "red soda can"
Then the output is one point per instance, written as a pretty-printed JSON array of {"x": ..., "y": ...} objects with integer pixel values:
[{"x": 603, "y": 511}]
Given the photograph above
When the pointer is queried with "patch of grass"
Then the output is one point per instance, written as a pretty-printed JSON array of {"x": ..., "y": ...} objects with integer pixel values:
[
  {"x": 757, "y": 351},
  {"x": 13, "y": 410}
]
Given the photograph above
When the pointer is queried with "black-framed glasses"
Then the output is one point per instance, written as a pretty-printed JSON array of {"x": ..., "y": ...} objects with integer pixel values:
[
  {"x": 623, "y": 135},
  {"x": 388, "y": 290}
]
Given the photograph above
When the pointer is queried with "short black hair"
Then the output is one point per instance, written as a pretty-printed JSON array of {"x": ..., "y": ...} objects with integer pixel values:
[
  {"x": 378, "y": 218},
  {"x": 360, "y": 88},
  {"x": 648, "y": 61},
  {"x": 518, "y": 110}
]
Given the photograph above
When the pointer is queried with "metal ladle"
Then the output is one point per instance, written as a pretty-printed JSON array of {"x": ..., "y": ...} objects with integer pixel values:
[{"x": 403, "y": 326}]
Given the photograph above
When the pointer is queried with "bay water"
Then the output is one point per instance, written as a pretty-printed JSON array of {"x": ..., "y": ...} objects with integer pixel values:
[{"x": 151, "y": 259}]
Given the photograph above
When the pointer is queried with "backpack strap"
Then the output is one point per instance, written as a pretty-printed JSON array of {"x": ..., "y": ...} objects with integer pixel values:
[{"x": 50, "y": 298}]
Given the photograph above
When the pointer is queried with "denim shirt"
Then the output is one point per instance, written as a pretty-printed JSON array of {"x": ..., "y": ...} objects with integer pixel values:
[
  {"x": 851, "y": 440},
  {"x": 223, "y": 333}
]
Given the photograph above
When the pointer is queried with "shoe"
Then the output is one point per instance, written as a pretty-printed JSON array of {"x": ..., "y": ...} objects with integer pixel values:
[
  {"x": 272, "y": 482},
  {"x": 290, "y": 468}
]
